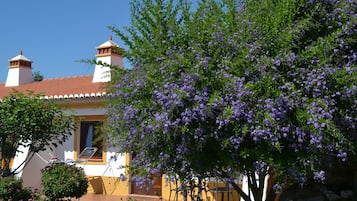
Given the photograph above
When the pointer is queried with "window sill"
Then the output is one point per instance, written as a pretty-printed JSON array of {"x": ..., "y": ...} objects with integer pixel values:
[{"x": 91, "y": 161}]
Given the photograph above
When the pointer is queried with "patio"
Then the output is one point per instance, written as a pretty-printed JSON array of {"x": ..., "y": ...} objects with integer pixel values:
[{"x": 101, "y": 197}]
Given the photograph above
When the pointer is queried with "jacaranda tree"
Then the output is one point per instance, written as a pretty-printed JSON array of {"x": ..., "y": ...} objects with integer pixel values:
[
  {"x": 224, "y": 86},
  {"x": 27, "y": 120}
]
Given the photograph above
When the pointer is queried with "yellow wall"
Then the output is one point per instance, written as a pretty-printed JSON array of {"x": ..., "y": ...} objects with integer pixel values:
[
  {"x": 208, "y": 195},
  {"x": 110, "y": 185},
  {"x": 107, "y": 185},
  {"x": 2, "y": 163}
]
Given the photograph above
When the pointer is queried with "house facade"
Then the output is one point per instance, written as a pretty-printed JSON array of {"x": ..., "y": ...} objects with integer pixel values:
[{"x": 85, "y": 97}]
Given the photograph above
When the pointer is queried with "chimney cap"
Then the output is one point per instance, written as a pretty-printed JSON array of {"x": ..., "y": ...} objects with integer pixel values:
[
  {"x": 20, "y": 57},
  {"x": 107, "y": 44}
]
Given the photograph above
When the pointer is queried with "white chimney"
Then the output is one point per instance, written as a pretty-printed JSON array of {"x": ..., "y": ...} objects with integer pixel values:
[
  {"x": 107, "y": 53},
  {"x": 20, "y": 71}
]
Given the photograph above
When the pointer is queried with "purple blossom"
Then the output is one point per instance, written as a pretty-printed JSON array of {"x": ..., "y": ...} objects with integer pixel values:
[
  {"x": 342, "y": 156},
  {"x": 248, "y": 99},
  {"x": 319, "y": 175}
]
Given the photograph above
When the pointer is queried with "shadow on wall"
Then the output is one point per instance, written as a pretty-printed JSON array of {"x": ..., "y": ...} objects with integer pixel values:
[
  {"x": 96, "y": 184},
  {"x": 106, "y": 185},
  {"x": 31, "y": 174}
]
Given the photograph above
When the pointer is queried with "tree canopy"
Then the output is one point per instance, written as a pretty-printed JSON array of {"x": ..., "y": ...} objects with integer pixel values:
[
  {"x": 37, "y": 76},
  {"x": 28, "y": 120},
  {"x": 226, "y": 86}
]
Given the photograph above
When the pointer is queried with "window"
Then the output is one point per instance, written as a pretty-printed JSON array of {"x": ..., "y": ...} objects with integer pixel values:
[{"x": 90, "y": 136}]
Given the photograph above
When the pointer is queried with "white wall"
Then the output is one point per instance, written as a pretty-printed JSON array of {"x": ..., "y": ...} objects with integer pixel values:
[
  {"x": 31, "y": 174},
  {"x": 101, "y": 73},
  {"x": 18, "y": 76}
]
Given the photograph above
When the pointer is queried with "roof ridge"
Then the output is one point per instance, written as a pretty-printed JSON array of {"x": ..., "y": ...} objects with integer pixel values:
[
  {"x": 61, "y": 78},
  {"x": 67, "y": 77}
]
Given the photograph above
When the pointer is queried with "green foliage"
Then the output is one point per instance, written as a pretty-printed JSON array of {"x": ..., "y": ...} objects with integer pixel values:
[
  {"x": 37, "y": 76},
  {"x": 257, "y": 86},
  {"x": 62, "y": 180},
  {"x": 11, "y": 189},
  {"x": 30, "y": 121}
]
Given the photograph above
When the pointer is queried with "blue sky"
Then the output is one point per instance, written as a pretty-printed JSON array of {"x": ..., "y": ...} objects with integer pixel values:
[{"x": 56, "y": 34}]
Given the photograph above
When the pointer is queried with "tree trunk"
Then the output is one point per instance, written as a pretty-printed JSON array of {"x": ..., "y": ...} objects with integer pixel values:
[
  {"x": 240, "y": 192},
  {"x": 6, "y": 169}
]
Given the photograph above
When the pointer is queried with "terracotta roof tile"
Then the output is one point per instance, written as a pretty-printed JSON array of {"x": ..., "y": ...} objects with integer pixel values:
[{"x": 66, "y": 87}]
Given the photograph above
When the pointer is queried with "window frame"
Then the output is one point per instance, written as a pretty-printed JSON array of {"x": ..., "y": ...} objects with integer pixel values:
[{"x": 77, "y": 139}]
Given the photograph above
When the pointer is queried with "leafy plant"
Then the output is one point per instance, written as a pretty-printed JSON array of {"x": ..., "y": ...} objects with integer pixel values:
[
  {"x": 37, "y": 76},
  {"x": 258, "y": 86},
  {"x": 11, "y": 189},
  {"x": 27, "y": 120},
  {"x": 62, "y": 180}
]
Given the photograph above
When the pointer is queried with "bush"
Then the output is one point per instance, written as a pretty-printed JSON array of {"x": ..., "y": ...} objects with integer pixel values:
[
  {"x": 11, "y": 189},
  {"x": 63, "y": 180}
]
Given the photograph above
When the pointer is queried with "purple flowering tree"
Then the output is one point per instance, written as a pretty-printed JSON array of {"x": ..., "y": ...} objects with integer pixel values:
[{"x": 220, "y": 87}]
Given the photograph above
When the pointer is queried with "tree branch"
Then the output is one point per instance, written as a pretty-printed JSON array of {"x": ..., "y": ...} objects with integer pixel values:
[
  {"x": 24, "y": 163},
  {"x": 252, "y": 184},
  {"x": 240, "y": 191}
]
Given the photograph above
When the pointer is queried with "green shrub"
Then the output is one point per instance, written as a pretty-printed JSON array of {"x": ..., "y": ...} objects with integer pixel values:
[
  {"x": 11, "y": 189},
  {"x": 63, "y": 180}
]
